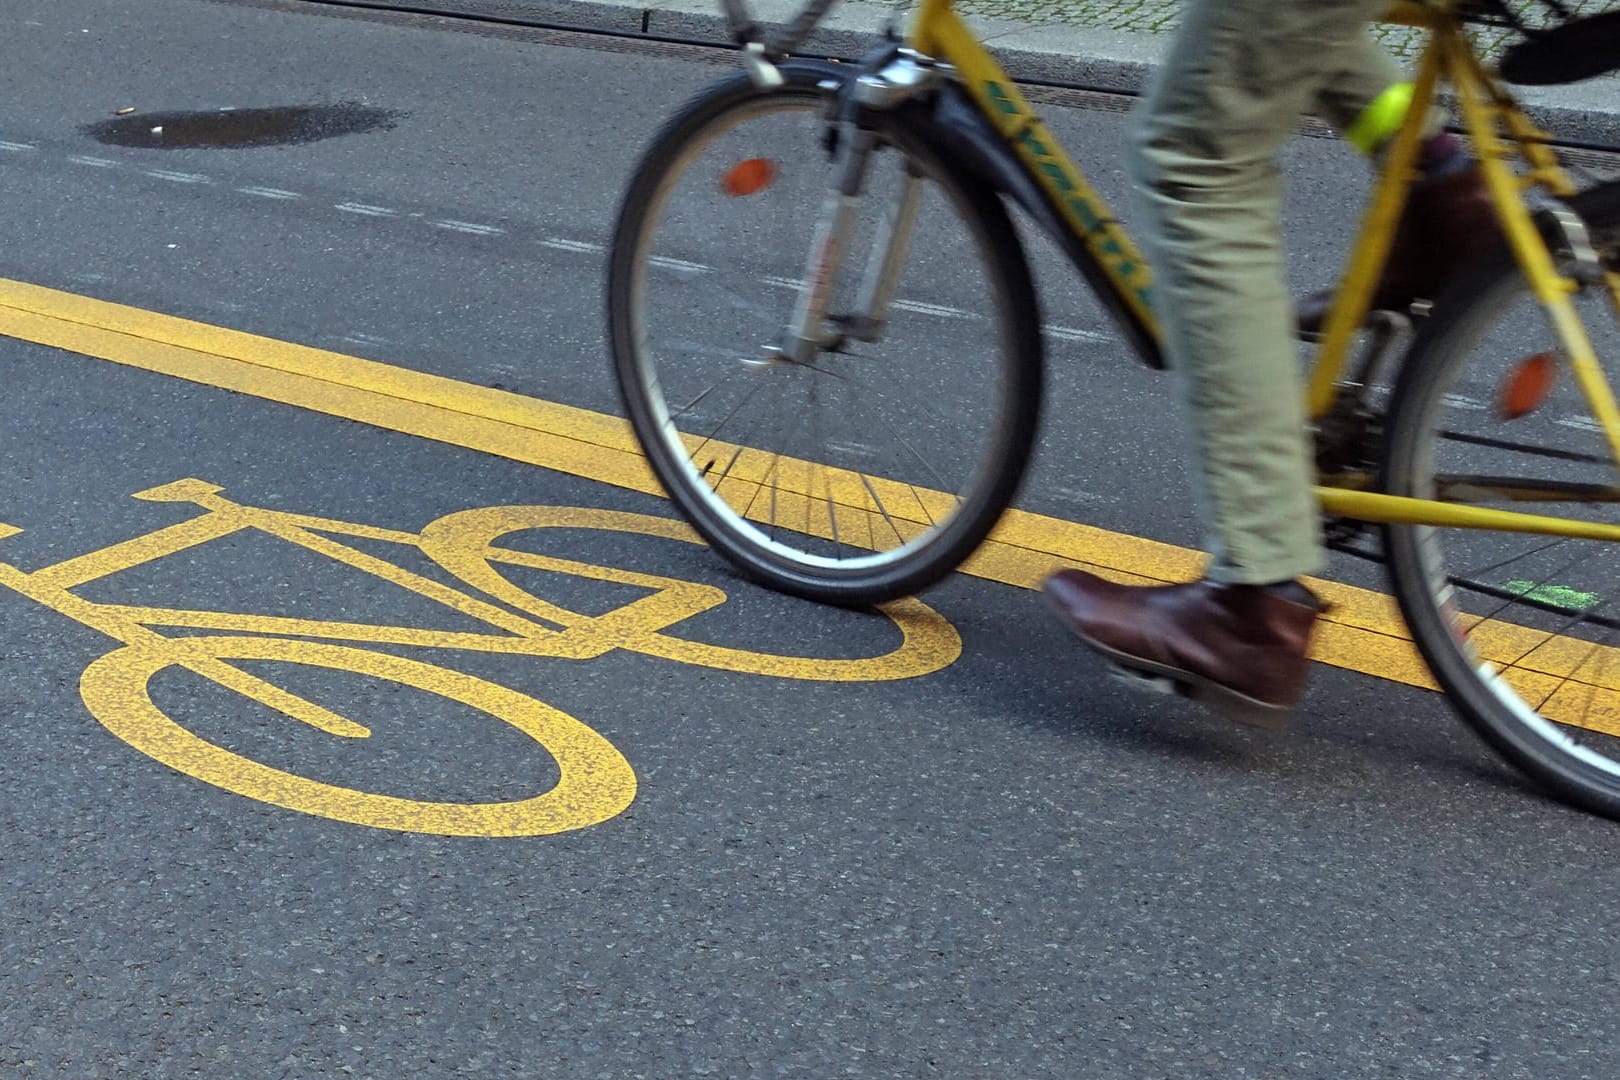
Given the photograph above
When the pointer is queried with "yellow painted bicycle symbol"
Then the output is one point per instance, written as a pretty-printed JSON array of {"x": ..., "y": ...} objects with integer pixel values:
[{"x": 595, "y": 781}]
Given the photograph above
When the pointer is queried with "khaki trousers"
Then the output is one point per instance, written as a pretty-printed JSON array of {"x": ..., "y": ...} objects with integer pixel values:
[{"x": 1237, "y": 79}]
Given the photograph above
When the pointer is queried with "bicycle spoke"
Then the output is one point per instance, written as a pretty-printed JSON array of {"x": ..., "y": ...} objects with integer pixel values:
[
  {"x": 820, "y": 442},
  {"x": 1593, "y": 649},
  {"x": 1548, "y": 546},
  {"x": 944, "y": 486},
  {"x": 1489, "y": 443},
  {"x": 832, "y": 516},
  {"x": 812, "y": 407},
  {"x": 1558, "y": 631},
  {"x": 744, "y": 440},
  {"x": 773, "y": 498},
  {"x": 915, "y": 494},
  {"x": 690, "y": 405},
  {"x": 918, "y": 407},
  {"x": 1529, "y": 601},
  {"x": 735, "y": 454},
  {"x": 775, "y": 459},
  {"x": 881, "y": 508},
  {"x": 707, "y": 439}
]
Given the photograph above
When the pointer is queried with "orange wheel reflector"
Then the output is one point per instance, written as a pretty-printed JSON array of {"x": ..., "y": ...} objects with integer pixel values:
[
  {"x": 1528, "y": 386},
  {"x": 749, "y": 177}
]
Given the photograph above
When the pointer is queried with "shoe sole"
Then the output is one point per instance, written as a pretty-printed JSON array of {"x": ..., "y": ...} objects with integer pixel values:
[{"x": 1142, "y": 674}]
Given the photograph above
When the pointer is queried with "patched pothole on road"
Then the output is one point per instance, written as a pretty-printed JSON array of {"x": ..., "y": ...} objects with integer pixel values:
[{"x": 229, "y": 129}]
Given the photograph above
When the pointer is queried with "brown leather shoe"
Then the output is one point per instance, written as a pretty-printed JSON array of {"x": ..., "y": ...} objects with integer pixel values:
[
  {"x": 1447, "y": 224},
  {"x": 1240, "y": 649}
]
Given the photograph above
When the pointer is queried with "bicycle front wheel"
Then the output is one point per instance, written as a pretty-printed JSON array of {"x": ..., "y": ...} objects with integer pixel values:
[
  {"x": 1520, "y": 630},
  {"x": 869, "y": 469}
]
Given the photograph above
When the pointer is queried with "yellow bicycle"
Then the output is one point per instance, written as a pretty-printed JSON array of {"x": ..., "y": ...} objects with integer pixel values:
[{"x": 845, "y": 400}]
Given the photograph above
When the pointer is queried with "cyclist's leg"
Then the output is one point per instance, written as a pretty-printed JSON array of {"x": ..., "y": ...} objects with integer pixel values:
[
  {"x": 1231, "y": 91},
  {"x": 1362, "y": 97},
  {"x": 1448, "y": 221}
]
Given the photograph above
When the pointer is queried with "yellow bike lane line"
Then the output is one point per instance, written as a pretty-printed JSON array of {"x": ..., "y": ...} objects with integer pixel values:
[{"x": 1363, "y": 633}]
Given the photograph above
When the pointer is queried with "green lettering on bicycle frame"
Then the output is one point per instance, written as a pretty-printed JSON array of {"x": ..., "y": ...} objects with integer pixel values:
[
  {"x": 1071, "y": 193},
  {"x": 1086, "y": 213},
  {"x": 1026, "y": 135},
  {"x": 1003, "y": 100},
  {"x": 1059, "y": 177},
  {"x": 1122, "y": 261}
]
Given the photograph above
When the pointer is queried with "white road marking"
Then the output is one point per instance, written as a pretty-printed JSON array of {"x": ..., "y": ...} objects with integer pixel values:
[
  {"x": 269, "y": 193},
  {"x": 177, "y": 177},
  {"x": 4, "y": 145},
  {"x": 678, "y": 264},
  {"x": 932, "y": 309},
  {"x": 1069, "y": 333},
  {"x": 366, "y": 209},
  {"x": 1076, "y": 495},
  {"x": 573, "y": 245},
  {"x": 94, "y": 162},
  {"x": 918, "y": 306},
  {"x": 466, "y": 227}
]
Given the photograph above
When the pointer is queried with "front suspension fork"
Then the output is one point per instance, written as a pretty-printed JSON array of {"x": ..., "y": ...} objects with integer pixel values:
[
  {"x": 904, "y": 76},
  {"x": 808, "y": 332}
]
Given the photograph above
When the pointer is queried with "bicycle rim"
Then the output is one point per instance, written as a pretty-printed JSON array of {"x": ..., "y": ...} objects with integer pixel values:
[
  {"x": 871, "y": 470},
  {"x": 1522, "y": 631}
]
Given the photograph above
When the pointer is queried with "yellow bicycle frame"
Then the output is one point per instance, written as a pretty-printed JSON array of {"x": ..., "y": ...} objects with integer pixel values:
[
  {"x": 1487, "y": 113},
  {"x": 938, "y": 32}
]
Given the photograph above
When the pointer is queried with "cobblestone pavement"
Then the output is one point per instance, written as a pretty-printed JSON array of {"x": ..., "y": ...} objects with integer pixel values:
[{"x": 1161, "y": 16}]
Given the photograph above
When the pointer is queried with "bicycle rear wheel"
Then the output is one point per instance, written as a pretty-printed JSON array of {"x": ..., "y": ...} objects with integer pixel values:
[
  {"x": 870, "y": 470},
  {"x": 1522, "y": 631}
]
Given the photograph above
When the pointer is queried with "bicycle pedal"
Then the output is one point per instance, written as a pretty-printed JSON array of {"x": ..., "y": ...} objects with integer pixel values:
[{"x": 1146, "y": 682}]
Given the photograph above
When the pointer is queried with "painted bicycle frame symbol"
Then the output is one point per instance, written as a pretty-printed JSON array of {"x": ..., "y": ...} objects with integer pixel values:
[{"x": 596, "y": 782}]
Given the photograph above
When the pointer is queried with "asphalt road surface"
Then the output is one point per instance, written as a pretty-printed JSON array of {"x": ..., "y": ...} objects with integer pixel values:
[{"x": 360, "y": 724}]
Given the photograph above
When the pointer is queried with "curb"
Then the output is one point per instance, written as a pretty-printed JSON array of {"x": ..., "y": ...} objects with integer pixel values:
[
  {"x": 1090, "y": 58},
  {"x": 1086, "y": 57}
]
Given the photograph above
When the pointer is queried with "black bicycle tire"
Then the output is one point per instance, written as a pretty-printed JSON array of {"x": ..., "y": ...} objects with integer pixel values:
[
  {"x": 1021, "y": 365},
  {"x": 1477, "y": 295}
]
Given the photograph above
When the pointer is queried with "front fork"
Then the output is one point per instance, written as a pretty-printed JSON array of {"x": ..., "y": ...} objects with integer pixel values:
[
  {"x": 809, "y": 332},
  {"x": 898, "y": 76}
]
